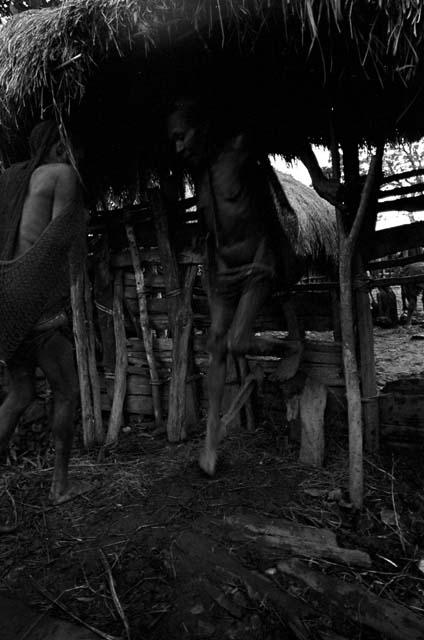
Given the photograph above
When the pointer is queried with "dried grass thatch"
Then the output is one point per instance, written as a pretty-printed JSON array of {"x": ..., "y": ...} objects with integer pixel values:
[
  {"x": 281, "y": 66},
  {"x": 317, "y": 237}
]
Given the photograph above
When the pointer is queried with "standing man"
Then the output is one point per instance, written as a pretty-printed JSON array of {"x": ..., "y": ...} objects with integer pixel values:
[
  {"x": 246, "y": 248},
  {"x": 42, "y": 239}
]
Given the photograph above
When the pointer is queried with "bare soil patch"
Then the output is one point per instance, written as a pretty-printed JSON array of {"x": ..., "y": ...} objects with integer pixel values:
[{"x": 149, "y": 497}]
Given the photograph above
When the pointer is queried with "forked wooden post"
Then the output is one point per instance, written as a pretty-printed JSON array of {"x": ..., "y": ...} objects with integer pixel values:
[
  {"x": 81, "y": 348},
  {"x": 347, "y": 245},
  {"x": 180, "y": 319},
  {"x": 144, "y": 322},
  {"x": 121, "y": 361}
]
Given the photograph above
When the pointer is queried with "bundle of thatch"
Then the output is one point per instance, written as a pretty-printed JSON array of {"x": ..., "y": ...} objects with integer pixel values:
[
  {"x": 317, "y": 238},
  {"x": 282, "y": 66}
]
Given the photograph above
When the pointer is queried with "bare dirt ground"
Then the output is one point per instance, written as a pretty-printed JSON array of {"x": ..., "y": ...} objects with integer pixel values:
[{"x": 125, "y": 543}]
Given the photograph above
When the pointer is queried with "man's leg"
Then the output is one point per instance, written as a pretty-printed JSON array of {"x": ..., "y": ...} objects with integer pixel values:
[
  {"x": 20, "y": 395},
  {"x": 55, "y": 357},
  {"x": 240, "y": 339},
  {"x": 221, "y": 316}
]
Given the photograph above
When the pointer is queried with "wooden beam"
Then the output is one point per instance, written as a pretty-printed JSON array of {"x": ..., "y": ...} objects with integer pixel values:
[
  {"x": 406, "y": 236},
  {"x": 395, "y": 262},
  {"x": 395, "y": 177},
  {"x": 402, "y": 204}
]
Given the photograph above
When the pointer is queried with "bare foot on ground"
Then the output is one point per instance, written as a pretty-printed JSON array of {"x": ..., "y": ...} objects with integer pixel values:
[{"x": 75, "y": 488}]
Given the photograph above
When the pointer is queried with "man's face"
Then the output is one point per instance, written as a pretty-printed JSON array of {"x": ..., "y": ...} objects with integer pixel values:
[{"x": 189, "y": 141}]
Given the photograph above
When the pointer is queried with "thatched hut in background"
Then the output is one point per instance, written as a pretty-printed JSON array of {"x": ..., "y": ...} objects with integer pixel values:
[{"x": 342, "y": 73}]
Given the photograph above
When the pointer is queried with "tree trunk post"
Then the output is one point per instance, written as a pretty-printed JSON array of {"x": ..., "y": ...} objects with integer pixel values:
[
  {"x": 347, "y": 245},
  {"x": 370, "y": 409},
  {"x": 180, "y": 320}
]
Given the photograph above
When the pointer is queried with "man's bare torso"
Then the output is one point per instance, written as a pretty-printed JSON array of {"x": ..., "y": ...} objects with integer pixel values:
[{"x": 51, "y": 189}]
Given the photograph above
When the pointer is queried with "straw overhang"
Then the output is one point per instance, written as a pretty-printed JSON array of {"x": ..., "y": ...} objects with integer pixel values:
[{"x": 281, "y": 66}]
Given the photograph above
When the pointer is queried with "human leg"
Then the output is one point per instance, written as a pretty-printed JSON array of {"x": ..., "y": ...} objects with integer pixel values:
[
  {"x": 221, "y": 315},
  {"x": 55, "y": 358},
  {"x": 20, "y": 395}
]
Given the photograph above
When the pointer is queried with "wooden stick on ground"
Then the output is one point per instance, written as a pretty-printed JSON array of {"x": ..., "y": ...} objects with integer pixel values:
[
  {"x": 248, "y": 408},
  {"x": 144, "y": 322},
  {"x": 121, "y": 361},
  {"x": 244, "y": 394},
  {"x": 393, "y": 620}
]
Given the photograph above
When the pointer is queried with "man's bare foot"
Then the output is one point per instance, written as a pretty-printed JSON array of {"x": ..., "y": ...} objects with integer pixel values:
[
  {"x": 74, "y": 489},
  {"x": 207, "y": 461}
]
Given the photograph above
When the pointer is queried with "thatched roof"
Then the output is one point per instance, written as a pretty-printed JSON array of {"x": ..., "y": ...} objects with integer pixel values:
[
  {"x": 277, "y": 66},
  {"x": 317, "y": 221}
]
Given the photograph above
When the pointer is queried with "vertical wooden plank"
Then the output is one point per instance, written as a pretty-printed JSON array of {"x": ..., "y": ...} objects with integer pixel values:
[
  {"x": 312, "y": 403},
  {"x": 121, "y": 361},
  {"x": 182, "y": 327},
  {"x": 92, "y": 364},
  {"x": 180, "y": 322},
  {"x": 144, "y": 322},
  {"x": 81, "y": 348},
  {"x": 335, "y": 312},
  {"x": 168, "y": 258}
]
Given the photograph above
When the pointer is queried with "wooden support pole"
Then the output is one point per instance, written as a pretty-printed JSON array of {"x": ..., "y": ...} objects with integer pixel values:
[
  {"x": 92, "y": 364},
  {"x": 121, "y": 361},
  {"x": 145, "y": 328},
  {"x": 81, "y": 348},
  {"x": 370, "y": 410},
  {"x": 180, "y": 322},
  {"x": 347, "y": 245}
]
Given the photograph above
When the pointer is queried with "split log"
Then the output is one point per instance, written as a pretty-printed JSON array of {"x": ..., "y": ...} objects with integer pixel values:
[
  {"x": 312, "y": 405},
  {"x": 395, "y": 621},
  {"x": 144, "y": 322},
  {"x": 290, "y": 537},
  {"x": 205, "y": 561},
  {"x": 121, "y": 362},
  {"x": 81, "y": 349}
]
